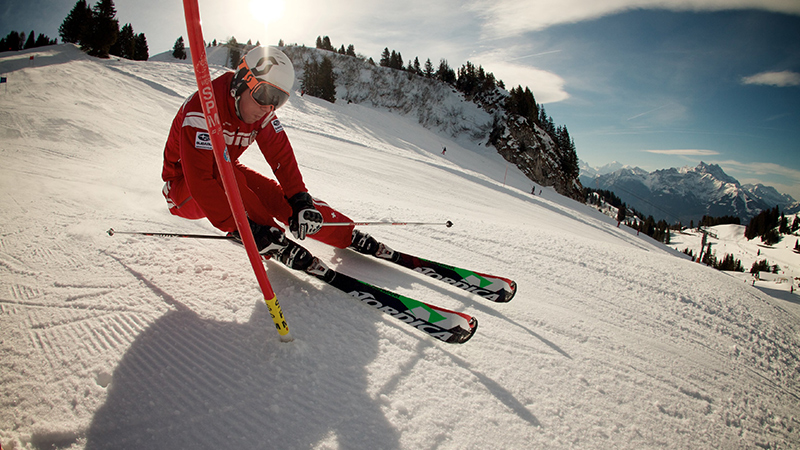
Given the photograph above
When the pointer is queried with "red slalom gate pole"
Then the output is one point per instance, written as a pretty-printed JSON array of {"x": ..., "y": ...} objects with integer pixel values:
[{"x": 206, "y": 93}]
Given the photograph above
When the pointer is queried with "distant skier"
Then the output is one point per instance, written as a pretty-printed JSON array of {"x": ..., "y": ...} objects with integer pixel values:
[
  {"x": 247, "y": 100},
  {"x": 444, "y": 150}
]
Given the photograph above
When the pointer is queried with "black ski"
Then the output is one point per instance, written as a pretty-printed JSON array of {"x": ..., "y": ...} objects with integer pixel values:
[
  {"x": 447, "y": 326},
  {"x": 490, "y": 287}
]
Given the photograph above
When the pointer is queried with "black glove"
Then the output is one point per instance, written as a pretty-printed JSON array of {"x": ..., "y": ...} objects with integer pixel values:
[
  {"x": 305, "y": 217},
  {"x": 269, "y": 240}
]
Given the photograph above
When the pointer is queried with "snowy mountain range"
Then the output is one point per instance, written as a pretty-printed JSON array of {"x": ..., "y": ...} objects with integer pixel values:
[{"x": 686, "y": 194}]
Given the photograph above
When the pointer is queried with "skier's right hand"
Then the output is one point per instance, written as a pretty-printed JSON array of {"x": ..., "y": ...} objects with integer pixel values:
[
  {"x": 268, "y": 239},
  {"x": 305, "y": 217}
]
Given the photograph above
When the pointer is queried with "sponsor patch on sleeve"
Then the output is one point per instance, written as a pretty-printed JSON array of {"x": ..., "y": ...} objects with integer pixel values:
[
  {"x": 276, "y": 124},
  {"x": 202, "y": 141}
]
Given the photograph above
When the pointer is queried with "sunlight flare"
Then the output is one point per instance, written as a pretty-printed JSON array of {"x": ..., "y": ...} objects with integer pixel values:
[{"x": 267, "y": 11}]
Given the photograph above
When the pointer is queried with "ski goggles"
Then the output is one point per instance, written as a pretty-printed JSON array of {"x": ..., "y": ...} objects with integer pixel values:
[{"x": 266, "y": 94}]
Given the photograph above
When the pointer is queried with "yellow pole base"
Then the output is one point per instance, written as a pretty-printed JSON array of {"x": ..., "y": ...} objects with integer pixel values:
[{"x": 277, "y": 316}]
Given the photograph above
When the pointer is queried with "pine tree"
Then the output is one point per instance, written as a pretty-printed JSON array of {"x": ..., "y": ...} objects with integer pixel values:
[
  {"x": 327, "y": 81},
  {"x": 324, "y": 43},
  {"x": 759, "y": 266},
  {"x": 396, "y": 60},
  {"x": 140, "y": 50},
  {"x": 763, "y": 223},
  {"x": 76, "y": 25},
  {"x": 179, "y": 50},
  {"x": 234, "y": 53},
  {"x": 730, "y": 264},
  {"x": 385, "y": 58},
  {"x": 467, "y": 81},
  {"x": 12, "y": 42},
  {"x": 622, "y": 213},
  {"x": 43, "y": 40},
  {"x": 568, "y": 157},
  {"x": 428, "y": 68},
  {"x": 783, "y": 225},
  {"x": 522, "y": 103},
  {"x": 445, "y": 73},
  {"x": 351, "y": 50},
  {"x": 104, "y": 29},
  {"x": 319, "y": 80},
  {"x": 124, "y": 47},
  {"x": 771, "y": 237},
  {"x": 31, "y": 42}
]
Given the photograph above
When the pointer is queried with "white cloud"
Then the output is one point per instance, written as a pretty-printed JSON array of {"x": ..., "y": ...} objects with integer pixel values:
[
  {"x": 504, "y": 18},
  {"x": 514, "y": 71},
  {"x": 761, "y": 168},
  {"x": 648, "y": 112},
  {"x": 685, "y": 152},
  {"x": 782, "y": 178},
  {"x": 547, "y": 86},
  {"x": 778, "y": 79}
]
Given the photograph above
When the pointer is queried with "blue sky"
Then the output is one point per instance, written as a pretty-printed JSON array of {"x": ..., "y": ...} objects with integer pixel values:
[{"x": 651, "y": 83}]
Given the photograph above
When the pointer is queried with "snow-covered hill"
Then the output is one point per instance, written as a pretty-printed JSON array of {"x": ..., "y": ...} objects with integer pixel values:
[
  {"x": 218, "y": 55},
  {"x": 730, "y": 240},
  {"x": 770, "y": 196},
  {"x": 688, "y": 193},
  {"x": 613, "y": 341}
]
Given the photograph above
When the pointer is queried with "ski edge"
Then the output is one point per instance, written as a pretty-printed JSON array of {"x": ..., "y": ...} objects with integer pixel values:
[
  {"x": 407, "y": 310},
  {"x": 454, "y": 276}
]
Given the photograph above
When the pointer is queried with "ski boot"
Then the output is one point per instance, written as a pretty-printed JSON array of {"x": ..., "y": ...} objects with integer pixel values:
[{"x": 368, "y": 245}]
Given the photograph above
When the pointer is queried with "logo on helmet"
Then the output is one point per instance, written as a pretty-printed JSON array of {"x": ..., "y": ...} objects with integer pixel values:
[{"x": 266, "y": 62}]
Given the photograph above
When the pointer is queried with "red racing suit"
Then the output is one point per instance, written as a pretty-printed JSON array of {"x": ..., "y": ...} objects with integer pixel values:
[{"x": 193, "y": 185}]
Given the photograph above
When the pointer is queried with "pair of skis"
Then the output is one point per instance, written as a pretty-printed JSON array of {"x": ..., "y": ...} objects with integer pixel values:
[{"x": 442, "y": 324}]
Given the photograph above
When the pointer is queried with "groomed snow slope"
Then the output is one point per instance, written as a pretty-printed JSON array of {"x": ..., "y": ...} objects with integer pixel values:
[{"x": 613, "y": 341}]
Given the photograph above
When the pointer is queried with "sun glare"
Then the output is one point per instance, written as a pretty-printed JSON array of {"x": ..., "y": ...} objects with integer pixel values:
[{"x": 267, "y": 11}]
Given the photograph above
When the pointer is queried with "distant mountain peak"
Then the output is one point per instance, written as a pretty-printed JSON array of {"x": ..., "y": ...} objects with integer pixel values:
[
  {"x": 716, "y": 171},
  {"x": 689, "y": 193}
]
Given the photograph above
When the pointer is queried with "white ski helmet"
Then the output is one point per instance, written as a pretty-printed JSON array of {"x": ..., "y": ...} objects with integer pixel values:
[{"x": 269, "y": 74}]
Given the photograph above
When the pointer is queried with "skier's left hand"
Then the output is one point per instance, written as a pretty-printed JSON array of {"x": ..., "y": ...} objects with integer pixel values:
[{"x": 305, "y": 220}]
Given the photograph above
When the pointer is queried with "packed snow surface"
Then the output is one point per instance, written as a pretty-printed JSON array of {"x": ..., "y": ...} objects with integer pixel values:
[{"x": 133, "y": 342}]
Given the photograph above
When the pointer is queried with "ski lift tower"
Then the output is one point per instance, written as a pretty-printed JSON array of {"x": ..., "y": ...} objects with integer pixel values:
[{"x": 704, "y": 241}]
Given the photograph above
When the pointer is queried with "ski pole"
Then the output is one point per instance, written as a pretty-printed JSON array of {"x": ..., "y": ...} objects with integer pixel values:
[
  {"x": 112, "y": 232},
  {"x": 448, "y": 224}
]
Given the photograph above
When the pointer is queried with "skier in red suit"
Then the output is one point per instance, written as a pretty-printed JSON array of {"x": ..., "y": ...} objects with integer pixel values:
[{"x": 247, "y": 100}]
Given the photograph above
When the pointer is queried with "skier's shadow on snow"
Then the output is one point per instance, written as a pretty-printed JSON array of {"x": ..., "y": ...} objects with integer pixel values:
[{"x": 190, "y": 382}]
